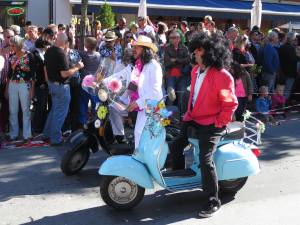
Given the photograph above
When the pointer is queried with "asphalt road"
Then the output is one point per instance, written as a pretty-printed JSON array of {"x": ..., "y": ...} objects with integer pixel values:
[{"x": 33, "y": 191}]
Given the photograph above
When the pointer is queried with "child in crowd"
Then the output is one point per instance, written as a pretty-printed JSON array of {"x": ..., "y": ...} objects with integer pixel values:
[
  {"x": 243, "y": 89},
  {"x": 278, "y": 100},
  {"x": 263, "y": 105},
  {"x": 91, "y": 60}
]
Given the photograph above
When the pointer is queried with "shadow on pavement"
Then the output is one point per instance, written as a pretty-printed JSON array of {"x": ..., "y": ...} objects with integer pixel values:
[
  {"x": 158, "y": 208},
  {"x": 37, "y": 171},
  {"x": 280, "y": 141}
]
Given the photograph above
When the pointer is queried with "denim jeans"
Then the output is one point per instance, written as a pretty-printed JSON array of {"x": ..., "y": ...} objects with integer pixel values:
[
  {"x": 19, "y": 93},
  {"x": 179, "y": 84},
  {"x": 269, "y": 80},
  {"x": 289, "y": 83},
  {"x": 72, "y": 121},
  {"x": 84, "y": 101},
  {"x": 61, "y": 97}
]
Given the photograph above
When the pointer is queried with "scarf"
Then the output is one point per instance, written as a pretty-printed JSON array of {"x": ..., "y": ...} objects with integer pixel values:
[{"x": 134, "y": 95}]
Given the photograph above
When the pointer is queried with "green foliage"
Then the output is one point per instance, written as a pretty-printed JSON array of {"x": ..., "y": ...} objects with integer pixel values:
[{"x": 106, "y": 17}]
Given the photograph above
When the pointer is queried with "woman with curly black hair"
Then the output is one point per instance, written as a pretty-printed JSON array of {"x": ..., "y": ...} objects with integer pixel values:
[{"x": 211, "y": 106}]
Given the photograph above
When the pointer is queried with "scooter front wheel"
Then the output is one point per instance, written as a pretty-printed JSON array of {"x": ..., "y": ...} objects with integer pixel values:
[
  {"x": 73, "y": 161},
  {"x": 120, "y": 192}
]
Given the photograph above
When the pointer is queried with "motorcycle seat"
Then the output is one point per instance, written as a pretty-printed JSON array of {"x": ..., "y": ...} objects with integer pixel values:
[{"x": 121, "y": 149}]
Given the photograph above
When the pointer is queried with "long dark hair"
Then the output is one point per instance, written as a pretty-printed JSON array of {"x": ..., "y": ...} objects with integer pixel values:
[
  {"x": 147, "y": 55},
  {"x": 216, "y": 49},
  {"x": 237, "y": 71}
]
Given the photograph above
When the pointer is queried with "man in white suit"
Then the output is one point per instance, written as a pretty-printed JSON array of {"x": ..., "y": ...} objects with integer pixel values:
[{"x": 147, "y": 75}]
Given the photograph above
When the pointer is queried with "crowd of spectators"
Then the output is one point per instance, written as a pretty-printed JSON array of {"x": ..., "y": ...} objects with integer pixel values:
[{"x": 42, "y": 69}]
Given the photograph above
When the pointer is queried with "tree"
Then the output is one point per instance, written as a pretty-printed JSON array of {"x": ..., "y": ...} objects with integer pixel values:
[
  {"x": 84, "y": 6},
  {"x": 106, "y": 17}
]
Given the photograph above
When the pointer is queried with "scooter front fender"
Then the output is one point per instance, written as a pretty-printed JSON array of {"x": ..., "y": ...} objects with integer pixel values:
[{"x": 126, "y": 166}]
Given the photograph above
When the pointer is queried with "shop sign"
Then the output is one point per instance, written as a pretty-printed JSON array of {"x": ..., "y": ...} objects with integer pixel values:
[{"x": 15, "y": 11}]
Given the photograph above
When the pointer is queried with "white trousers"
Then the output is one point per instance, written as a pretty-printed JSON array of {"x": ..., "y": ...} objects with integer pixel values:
[
  {"x": 139, "y": 126},
  {"x": 116, "y": 119}
]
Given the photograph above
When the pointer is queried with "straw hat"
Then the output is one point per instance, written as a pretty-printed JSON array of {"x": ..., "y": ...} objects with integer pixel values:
[
  {"x": 110, "y": 36},
  {"x": 146, "y": 42}
]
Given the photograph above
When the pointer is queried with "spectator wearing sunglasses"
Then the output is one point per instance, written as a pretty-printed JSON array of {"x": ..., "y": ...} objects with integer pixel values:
[{"x": 5, "y": 51}]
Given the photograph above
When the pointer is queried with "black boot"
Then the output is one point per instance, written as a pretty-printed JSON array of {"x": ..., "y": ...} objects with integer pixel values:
[{"x": 210, "y": 208}]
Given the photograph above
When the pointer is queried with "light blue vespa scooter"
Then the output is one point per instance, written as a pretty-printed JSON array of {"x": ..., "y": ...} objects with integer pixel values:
[{"x": 126, "y": 177}]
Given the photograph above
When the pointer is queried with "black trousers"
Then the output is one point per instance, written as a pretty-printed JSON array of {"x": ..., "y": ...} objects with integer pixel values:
[
  {"x": 241, "y": 108},
  {"x": 40, "y": 114},
  {"x": 208, "y": 137}
]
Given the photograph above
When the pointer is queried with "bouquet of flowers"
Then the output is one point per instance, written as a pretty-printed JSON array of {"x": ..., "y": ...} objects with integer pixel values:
[{"x": 255, "y": 70}]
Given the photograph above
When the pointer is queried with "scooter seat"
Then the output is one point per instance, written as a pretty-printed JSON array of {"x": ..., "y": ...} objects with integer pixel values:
[{"x": 235, "y": 130}]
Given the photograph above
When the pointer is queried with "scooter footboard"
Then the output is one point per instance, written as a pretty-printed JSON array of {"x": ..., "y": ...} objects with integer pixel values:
[{"x": 126, "y": 166}]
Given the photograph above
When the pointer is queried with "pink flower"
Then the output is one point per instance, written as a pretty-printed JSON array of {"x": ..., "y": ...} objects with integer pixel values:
[
  {"x": 88, "y": 81},
  {"x": 115, "y": 85}
]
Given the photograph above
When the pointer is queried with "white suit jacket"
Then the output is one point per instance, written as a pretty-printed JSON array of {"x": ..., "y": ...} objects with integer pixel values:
[{"x": 150, "y": 83}]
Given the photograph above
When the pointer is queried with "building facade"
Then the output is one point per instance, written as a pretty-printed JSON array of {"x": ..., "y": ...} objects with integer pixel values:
[{"x": 43, "y": 12}]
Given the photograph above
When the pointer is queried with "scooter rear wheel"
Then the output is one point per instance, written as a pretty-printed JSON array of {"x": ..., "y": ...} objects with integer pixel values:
[
  {"x": 73, "y": 161},
  {"x": 120, "y": 193},
  {"x": 232, "y": 186}
]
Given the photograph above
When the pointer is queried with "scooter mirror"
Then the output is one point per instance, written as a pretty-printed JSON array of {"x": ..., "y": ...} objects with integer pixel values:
[{"x": 171, "y": 94}]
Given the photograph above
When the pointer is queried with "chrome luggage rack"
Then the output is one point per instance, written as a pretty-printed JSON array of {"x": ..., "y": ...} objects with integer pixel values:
[{"x": 253, "y": 129}]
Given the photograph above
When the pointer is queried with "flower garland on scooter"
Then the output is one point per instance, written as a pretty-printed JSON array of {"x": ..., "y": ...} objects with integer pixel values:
[{"x": 159, "y": 108}]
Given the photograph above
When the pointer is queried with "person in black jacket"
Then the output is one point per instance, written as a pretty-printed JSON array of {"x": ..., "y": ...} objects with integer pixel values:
[
  {"x": 41, "y": 88},
  {"x": 288, "y": 63},
  {"x": 177, "y": 62}
]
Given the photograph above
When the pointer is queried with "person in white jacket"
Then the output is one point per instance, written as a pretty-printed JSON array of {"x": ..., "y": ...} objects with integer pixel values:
[
  {"x": 143, "y": 82},
  {"x": 148, "y": 77}
]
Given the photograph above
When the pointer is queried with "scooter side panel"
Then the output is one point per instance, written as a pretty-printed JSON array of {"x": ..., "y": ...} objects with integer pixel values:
[
  {"x": 235, "y": 161},
  {"x": 126, "y": 166}
]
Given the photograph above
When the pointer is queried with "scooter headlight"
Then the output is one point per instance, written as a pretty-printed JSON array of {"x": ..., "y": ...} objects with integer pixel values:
[
  {"x": 97, "y": 124},
  {"x": 102, "y": 95}
]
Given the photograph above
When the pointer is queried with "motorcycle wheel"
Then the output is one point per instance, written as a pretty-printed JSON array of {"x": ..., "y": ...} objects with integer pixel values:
[
  {"x": 120, "y": 193},
  {"x": 73, "y": 161},
  {"x": 232, "y": 186}
]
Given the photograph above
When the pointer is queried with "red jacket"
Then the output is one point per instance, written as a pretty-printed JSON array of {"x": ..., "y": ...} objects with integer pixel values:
[{"x": 216, "y": 101}]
